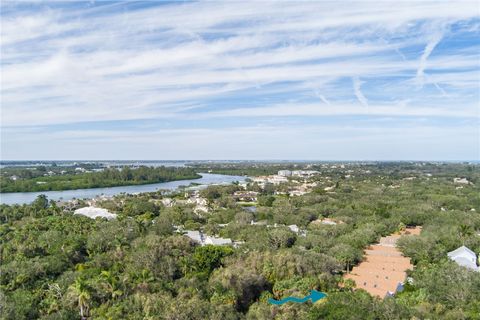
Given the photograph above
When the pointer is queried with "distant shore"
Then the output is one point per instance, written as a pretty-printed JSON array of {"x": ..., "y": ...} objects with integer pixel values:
[{"x": 39, "y": 179}]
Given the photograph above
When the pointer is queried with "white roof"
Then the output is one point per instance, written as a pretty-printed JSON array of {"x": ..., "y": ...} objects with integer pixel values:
[
  {"x": 462, "y": 251},
  {"x": 217, "y": 241},
  {"x": 93, "y": 212},
  {"x": 194, "y": 235},
  {"x": 329, "y": 222},
  {"x": 464, "y": 257},
  {"x": 464, "y": 262},
  {"x": 294, "y": 228}
]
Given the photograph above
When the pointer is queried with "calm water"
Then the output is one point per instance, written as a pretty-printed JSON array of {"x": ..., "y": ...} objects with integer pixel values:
[{"x": 27, "y": 197}]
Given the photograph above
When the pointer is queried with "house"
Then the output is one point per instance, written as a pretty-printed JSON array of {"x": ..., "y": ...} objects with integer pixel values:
[
  {"x": 285, "y": 173},
  {"x": 464, "y": 257},
  {"x": 14, "y": 178},
  {"x": 294, "y": 228},
  {"x": 461, "y": 181},
  {"x": 260, "y": 179},
  {"x": 168, "y": 202},
  {"x": 327, "y": 221},
  {"x": 199, "y": 237},
  {"x": 297, "y": 230},
  {"x": 93, "y": 212},
  {"x": 195, "y": 235},
  {"x": 277, "y": 179},
  {"x": 244, "y": 185},
  {"x": 201, "y": 204},
  {"x": 258, "y": 223},
  {"x": 304, "y": 173},
  {"x": 177, "y": 228},
  {"x": 218, "y": 241},
  {"x": 200, "y": 208},
  {"x": 294, "y": 193},
  {"x": 245, "y": 196}
]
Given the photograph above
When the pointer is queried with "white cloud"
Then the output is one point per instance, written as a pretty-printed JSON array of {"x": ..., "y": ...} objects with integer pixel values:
[
  {"x": 432, "y": 43},
  {"x": 358, "y": 92},
  {"x": 287, "y": 110},
  {"x": 201, "y": 60}
]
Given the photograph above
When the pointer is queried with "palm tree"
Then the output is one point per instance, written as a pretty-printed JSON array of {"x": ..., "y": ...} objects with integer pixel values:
[
  {"x": 111, "y": 283},
  {"x": 79, "y": 290},
  {"x": 464, "y": 231},
  {"x": 143, "y": 279}
]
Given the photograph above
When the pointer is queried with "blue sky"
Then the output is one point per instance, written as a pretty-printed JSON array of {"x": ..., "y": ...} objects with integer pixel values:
[{"x": 240, "y": 80}]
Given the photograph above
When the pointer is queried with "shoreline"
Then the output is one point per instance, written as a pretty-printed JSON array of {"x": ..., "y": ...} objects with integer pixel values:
[{"x": 107, "y": 186}]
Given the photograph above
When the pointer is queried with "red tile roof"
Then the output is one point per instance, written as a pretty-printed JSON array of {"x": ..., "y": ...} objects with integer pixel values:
[{"x": 384, "y": 266}]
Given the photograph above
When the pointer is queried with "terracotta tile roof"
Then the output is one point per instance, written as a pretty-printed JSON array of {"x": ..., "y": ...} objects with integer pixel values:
[{"x": 384, "y": 267}]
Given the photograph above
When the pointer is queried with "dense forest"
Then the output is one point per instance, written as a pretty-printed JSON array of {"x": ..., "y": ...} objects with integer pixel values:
[
  {"x": 56, "y": 265},
  {"x": 41, "y": 179}
]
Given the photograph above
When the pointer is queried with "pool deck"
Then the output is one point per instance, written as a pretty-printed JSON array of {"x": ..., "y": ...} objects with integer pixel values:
[{"x": 384, "y": 266}]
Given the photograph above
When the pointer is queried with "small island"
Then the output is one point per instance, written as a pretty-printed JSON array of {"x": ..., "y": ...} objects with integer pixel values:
[{"x": 86, "y": 176}]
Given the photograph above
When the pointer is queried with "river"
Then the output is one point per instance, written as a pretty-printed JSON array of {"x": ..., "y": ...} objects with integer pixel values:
[{"x": 27, "y": 197}]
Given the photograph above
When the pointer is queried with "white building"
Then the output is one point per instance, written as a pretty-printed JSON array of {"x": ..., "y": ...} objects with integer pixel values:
[
  {"x": 168, "y": 202},
  {"x": 285, "y": 173},
  {"x": 195, "y": 235},
  {"x": 218, "y": 241},
  {"x": 294, "y": 228},
  {"x": 203, "y": 240},
  {"x": 260, "y": 180},
  {"x": 244, "y": 185},
  {"x": 93, "y": 212},
  {"x": 295, "y": 193},
  {"x": 464, "y": 257},
  {"x": 461, "y": 181},
  {"x": 245, "y": 195},
  {"x": 304, "y": 173},
  {"x": 277, "y": 179},
  {"x": 258, "y": 223},
  {"x": 201, "y": 204},
  {"x": 297, "y": 230}
]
